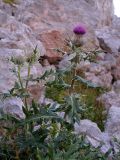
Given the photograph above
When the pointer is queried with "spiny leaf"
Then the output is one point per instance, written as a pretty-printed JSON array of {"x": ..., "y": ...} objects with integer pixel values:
[{"x": 86, "y": 82}]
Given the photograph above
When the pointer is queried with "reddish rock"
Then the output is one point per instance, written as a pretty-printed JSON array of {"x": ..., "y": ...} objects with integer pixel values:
[
  {"x": 52, "y": 39},
  {"x": 36, "y": 91}
]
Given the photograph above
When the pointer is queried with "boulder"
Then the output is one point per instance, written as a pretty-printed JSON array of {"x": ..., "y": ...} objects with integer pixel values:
[
  {"x": 116, "y": 86},
  {"x": 110, "y": 99},
  {"x": 12, "y": 106},
  {"x": 113, "y": 122},
  {"x": 109, "y": 39},
  {"x": 90, "y": 130}
]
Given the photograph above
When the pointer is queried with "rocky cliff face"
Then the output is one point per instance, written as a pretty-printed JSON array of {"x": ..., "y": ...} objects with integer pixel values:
[
  {"x": 45, "y": 23},
  {"x": 45, "y": 16}
]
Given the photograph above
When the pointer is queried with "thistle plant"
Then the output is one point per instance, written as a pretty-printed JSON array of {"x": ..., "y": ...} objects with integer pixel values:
[
  {"x": 44, "y": 134},
  {"x": 64, "y": 89}
]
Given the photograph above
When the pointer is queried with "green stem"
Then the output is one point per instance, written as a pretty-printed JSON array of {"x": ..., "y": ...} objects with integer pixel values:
[
  {"x": 72, "y": 82},
  {"x": 26, "y": 105},
  {"x": 28, "y": 76},
  {"x": 19, "y": 77},
  {"x": 26, "y": 85},
  {"x": 74, "y": 74}
]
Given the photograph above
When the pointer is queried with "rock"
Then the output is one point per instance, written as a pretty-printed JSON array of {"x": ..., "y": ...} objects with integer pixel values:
[
  {"x": 96, "y": 68},
  {"x": 16, "y": 35},
  {"x": 116, "y": 69},
  {"x": 13, "y": 106},
  {"x": 17, "y": 39},
  {"x": 94, "y": 135},
  {"x": 109, "y": 62},
  {"x": 113, "y": 122},
  {"x": 110, "y": 99},
  {"x": 45, "y": 24},
  {"x": 106, "y": 145},
  {"x": 116, "y": 73},
  {"x": 36, "y": 92},
  {"x": 91, "y": 130},
  {"x": 83, "y": 66},
  {"x": 51, "y": 40},
  {"x": 109, "y": 39},
  {"x": 103, "y": 79},
  {"x": 106, "y": 10},
  {"x": 43, "y": 16},
  {"x": 116, "y": 86},
  {"x": 106, "y": 79}
]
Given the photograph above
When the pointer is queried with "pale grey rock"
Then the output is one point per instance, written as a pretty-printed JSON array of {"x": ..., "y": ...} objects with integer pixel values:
[
  {"x": 83, "y": 66},
  {"x": 109, "y": 61},
  {"x": 110, "y": 99},
  {"x": 91, "y": 130},
  {"x": 109, "y": 39},
  {"x": 116, "y": 86},
  {"x": 116, "y": 73},
  {"x": 94, "y": 135},
  {"x": 65, "y": 62},
  {"x": 116, "y": 69},
  {"x": 98, "y": 72},
  {"x": 96, "y": 68},
  {"x": 13, "y": 106},
  {"x": 113, "y": 122},
  {"x": 22, "y": 24},
  {"x": 16, "y": 35},
  {"x": 103, "y": 79},
  {"x": 106, "y": 142},
  {"x": 16, "y": 39},
  {"x": 63, "y": 15}
]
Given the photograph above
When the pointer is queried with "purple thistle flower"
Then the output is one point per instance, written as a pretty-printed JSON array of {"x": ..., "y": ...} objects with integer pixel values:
[{"x": 79, "y": 30}]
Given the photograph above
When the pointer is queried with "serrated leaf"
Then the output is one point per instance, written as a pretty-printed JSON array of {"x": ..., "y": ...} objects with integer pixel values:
[{"x": 86, "y": 82}]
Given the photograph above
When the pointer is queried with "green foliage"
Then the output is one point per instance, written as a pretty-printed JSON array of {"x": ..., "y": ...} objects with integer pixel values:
[
  {"x": 43, "y": 134},
  {"x": 69, "y": 81},
  {"x": 11, "y": 2},
  {"x": 53, "y": 139}
]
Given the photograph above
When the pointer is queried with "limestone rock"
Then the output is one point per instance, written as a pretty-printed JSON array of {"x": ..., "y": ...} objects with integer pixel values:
[
  {"x": 116, "y": 69},
  {"x": 63, "y": 15},
  {"x": 13, "y": 106},
  {"x": 16, "y": 39},
  {"x": 99, "y": 75},
  {"x": 45, "y": 24},
  {"x": 109, "y": 39},
  {"x": 93, "y": 134},
  {"x": 91, "y": 130},
  {"x": 106, "y": 139},
  {"x": 110, "y": 99},
  {"x": 116, "y": 86},
  {"x": 116, "y": 73},
  {"x": 113, "y": 122}
]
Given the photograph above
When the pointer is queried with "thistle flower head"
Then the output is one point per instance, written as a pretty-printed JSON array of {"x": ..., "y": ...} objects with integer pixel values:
[
  {"x": 79, "y": 30},
  {"x": 17, "y": 60},
  {"x": 31, "y": 59}
]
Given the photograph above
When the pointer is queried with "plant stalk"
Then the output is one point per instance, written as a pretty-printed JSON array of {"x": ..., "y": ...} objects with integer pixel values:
[
  {"x": 26, "y": 85},
  {"x": 19, "y": 77},
  {"x": 28, "y": 76}
]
